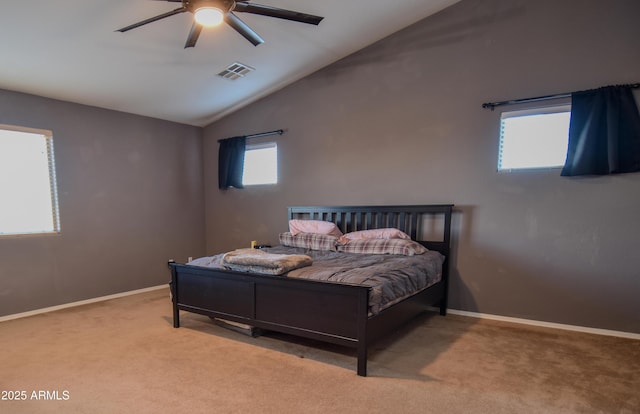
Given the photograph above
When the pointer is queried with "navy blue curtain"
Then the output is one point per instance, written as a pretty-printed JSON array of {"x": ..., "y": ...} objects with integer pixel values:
[
  {"x": 231, "y": 162},
  {"x": 604, "y": 132}
]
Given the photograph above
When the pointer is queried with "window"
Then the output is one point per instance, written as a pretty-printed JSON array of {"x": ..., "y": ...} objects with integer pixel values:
[
  {"x": 260, "y": 164},
  {"x": 27, "y": 182},
  {"x": 534, "y": 138}
]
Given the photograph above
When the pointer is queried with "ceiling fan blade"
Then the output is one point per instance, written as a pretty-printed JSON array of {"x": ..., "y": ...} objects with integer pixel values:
[
  {"x": 154, "y": 19},
  {"x": 241, "y": 27},
  {"x": 246, "y": 7},
  {"x": 194, "y": 33}
]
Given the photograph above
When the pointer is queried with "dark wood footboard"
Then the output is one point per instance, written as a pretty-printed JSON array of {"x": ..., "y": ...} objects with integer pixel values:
[{"x": 329, "y": 312}]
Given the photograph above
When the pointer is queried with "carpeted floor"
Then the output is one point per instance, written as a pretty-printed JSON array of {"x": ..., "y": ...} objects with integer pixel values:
[{"x": 124, "y": 356}]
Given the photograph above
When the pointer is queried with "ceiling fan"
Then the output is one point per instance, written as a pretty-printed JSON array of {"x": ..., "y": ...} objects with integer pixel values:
[{"x": 213, "y": 12}]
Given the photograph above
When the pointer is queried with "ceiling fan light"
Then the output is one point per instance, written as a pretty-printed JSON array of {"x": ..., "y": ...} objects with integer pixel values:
[{"x": 209, "y": 16}]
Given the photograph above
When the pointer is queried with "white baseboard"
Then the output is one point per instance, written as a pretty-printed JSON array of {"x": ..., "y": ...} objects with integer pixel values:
[
  {"x": 80, "y": 303},
  {"x": 532, "y": 322},
  {"x": 477, "y": 315}
]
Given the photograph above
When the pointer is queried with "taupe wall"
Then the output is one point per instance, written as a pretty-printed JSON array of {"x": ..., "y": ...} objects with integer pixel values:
[
  {"x": 131, "y": 197},
  {"x": 401, "y": 123}
]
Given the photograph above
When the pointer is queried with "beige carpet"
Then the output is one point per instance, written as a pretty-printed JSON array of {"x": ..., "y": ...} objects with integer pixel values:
[{"x": 124, "y": 356}]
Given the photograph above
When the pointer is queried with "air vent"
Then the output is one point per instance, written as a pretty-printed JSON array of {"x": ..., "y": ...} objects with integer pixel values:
[{"x": 235, "y": 70}]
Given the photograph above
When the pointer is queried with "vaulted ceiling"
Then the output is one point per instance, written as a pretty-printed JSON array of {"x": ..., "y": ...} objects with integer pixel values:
[{"x": 70, "y": 50}]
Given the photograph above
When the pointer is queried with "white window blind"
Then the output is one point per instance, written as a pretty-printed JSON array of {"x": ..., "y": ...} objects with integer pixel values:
[
  {"x": 534, "y": 138},
  {"x": 260, "y": 164},
  {"x": 27, "y": 181}
]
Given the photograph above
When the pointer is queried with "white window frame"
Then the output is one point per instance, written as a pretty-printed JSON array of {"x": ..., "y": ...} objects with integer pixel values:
[
  {"x": 538, "y": 138},
  {"x": 272, "y": 177},
  {"x": 51, "y": 197}
]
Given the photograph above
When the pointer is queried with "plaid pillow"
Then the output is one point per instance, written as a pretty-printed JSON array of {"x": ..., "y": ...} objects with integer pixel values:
[
  {"x": 383, "y": 246},
  {"x": 313, "y": 241}
]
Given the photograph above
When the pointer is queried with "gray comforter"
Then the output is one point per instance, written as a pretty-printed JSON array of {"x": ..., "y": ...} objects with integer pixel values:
[{"x": 392, "y": 278}]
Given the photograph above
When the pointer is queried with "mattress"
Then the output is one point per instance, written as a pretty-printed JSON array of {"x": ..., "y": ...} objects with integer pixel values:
[{"x": 391, "y": 278}]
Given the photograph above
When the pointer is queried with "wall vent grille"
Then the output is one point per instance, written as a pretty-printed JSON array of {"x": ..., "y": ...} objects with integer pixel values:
[{"x": 235, "y": 71}]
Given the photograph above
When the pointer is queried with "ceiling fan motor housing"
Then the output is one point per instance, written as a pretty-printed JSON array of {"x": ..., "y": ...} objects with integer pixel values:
[{"x": 224, "y": 5}]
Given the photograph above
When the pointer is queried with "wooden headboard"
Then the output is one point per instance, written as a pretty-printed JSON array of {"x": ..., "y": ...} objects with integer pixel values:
[{"x": 409, "y": 219}]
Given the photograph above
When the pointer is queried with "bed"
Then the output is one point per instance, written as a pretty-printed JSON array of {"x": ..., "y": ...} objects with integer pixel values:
[{"x": 325, "y": 308}]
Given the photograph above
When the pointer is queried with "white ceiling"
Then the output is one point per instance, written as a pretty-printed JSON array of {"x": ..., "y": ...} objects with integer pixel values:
[{"x": 70, "y": 50}]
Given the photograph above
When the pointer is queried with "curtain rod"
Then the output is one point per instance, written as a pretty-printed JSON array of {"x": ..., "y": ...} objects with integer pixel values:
[
  {"x": 492, "y": 105},
  {"x": 261, "y": 134}
]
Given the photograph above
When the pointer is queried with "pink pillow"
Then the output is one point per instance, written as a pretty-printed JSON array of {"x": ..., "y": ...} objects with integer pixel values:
[
  {"x": 386, "y": 233},
  {"x": 314, "y": 226}
]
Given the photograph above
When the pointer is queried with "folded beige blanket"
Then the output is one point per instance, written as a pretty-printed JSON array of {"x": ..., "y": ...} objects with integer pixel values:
[{"x": 258, "y": 261}]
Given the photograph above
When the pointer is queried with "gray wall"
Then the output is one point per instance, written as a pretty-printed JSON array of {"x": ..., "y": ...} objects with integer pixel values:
[
  {"x": 131, "y": 197},
  {"x": 401, "y": 123}
]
